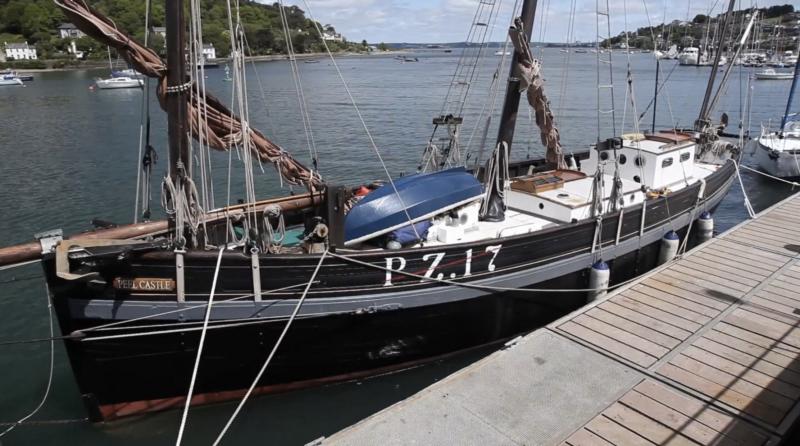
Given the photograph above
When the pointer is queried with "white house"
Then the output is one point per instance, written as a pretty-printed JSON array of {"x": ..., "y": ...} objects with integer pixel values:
[
  {"x": 160, "y": 30},
  {"x": 209, "y": 52},
  {"x": 333, "y": 37},
  {"x": 20, "y": 51},
  {"x": 69, "y": 31}
]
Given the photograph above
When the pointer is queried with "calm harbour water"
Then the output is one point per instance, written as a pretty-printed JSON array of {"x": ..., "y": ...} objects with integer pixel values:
[{"x": 70, "y": 154}]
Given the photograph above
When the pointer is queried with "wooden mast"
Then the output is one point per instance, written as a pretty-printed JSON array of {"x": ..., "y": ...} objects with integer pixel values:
[
  {"x": 508, "y": 119},
  {"x": 177, "y": 96},
  {"x": 495, "y": 209}
]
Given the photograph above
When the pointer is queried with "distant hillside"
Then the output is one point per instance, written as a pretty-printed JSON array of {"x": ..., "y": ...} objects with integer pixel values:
[
  {"x": 36, "y": 21},
  {"x": 778, "y": 28}
]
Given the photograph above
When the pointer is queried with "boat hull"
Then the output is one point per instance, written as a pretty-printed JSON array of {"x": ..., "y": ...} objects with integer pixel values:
[
  {"x": 115, "y": 83},
  {"x": 778, "y": 163},
  {"x": 11, "y": 82},
  {"x": 357, "y": 321}
]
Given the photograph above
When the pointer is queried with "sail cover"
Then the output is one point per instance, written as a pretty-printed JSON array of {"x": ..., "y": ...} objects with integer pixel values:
[
  {"x": 418, "y": 197},
  {"x": 219, "y": 126},
  {"x": 532, "y": 82}
]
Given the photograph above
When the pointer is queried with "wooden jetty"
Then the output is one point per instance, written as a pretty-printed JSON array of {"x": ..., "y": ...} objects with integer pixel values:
[{"x": 703, "y": 350}]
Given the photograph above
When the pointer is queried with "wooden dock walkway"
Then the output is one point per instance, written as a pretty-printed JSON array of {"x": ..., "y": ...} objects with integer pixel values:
[{"x": 704, "y": 350}]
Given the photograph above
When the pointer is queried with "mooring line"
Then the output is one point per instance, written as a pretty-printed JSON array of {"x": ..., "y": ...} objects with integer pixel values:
[{"x": 272, "y": 353}]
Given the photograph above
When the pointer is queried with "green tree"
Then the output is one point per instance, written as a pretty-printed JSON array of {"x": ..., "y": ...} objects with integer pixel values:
[{"x": 382, "y": 46}]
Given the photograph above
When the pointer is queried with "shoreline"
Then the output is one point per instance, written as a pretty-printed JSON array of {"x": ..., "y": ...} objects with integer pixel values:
[{"x": 265, "y": 58}]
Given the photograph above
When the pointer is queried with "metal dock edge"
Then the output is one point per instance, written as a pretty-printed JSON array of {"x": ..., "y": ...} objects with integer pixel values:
[{"x": 703, "y": 350}]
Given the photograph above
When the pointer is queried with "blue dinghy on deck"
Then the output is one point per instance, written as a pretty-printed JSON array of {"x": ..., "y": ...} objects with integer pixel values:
[{"x": 424, "y": 195}]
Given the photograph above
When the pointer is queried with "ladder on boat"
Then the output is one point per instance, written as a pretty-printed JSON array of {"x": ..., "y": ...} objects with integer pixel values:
[
  {"x": 605, "y": 73},
  {"x": 444, "y": 151}
]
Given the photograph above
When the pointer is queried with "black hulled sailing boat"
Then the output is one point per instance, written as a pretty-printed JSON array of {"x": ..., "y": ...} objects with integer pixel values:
[{"x": 384, "y": 293}]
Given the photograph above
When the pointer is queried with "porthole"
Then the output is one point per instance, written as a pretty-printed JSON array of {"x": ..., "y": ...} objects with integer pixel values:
[
  {"x": 667, "y": 162},
  {"x": 633, "y": 197},
  {"x": 685, "y": 157},
  {"x": 622, "y": 158},
  {"x": 639, "y": 161},
  {"x": 603, "y": 156},
  {"x": 637, "y": 179},
  {"x": 541, "y": 205}
]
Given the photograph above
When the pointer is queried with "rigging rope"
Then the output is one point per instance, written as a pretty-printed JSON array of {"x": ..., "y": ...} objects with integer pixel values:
[
  {"x": 200, "y": 348},
  {"x": 50, "y": 373},
  {"x": 361, "y": 118},
  {"x": 274, "y": 349},
  {"x": 530, "y": 81},
  {"x": 298, "y": 85},
  {"x": 145, "y": 111},
  {"x": 236, "y": 32}
]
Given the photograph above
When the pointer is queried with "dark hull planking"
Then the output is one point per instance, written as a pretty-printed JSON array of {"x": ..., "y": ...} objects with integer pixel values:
[{"x": 357, "y": 321}]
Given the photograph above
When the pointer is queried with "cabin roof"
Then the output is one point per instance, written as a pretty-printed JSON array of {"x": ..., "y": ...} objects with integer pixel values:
[{"x": 67, "y": 25}]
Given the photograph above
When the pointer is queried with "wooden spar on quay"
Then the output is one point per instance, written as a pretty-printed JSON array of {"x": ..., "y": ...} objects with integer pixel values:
[{"x": 31, "y": 251}]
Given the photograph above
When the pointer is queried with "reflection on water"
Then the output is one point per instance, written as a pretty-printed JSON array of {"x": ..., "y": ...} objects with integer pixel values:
[{"x": 70, "y": 154}]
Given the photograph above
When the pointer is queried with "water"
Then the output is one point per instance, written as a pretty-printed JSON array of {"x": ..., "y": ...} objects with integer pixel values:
[{"x": 70, "y": 154}]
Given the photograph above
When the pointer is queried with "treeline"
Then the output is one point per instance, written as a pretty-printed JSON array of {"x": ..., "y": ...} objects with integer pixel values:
[
  {"x": 36, "y": 21},
  {"x": 694, "y": 32}
]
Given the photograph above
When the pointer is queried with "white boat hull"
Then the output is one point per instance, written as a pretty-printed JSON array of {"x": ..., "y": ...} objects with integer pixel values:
[
  {"x": 779, "y": 157},
  {"x": 118, "y": 82},
  {"x": 11, "y": 82},
  {"x": 774, "y": 76}
]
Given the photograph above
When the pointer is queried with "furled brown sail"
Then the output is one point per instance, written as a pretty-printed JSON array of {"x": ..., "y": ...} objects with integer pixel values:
[
  {"x": 223, "y": 130},
  {"x": 532, "y": 82}
]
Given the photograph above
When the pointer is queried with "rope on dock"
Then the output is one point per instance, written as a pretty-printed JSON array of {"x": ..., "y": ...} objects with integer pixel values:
[
  {"x": 200, "y": 348},
  {"x": 50, "y": 374},
  {"x": 274, "y": 349}
]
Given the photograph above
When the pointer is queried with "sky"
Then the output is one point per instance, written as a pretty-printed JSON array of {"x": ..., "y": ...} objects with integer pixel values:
[{"x": 437, "y": 21}]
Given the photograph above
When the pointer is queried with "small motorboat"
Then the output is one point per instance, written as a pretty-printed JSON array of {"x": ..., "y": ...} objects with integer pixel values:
[
  {"x": 770, "y": 74},
  {"x": 10, "y": 80},
  {"x": 118, "y": 82}
]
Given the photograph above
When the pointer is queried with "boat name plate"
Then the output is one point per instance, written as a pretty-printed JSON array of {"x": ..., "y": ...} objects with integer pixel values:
[{"x": 144, "y": 284}]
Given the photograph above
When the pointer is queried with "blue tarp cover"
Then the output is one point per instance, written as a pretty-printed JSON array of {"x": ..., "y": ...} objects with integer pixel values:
[{"x": 423, "y": 195}]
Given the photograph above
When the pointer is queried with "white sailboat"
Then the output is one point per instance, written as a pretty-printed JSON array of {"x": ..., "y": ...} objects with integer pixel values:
[
  {"x": 118, "y": 82},
  {"x": 122, "y": 79},
  {"x": 778, "y": 152},
  {"x": 770, "y": 74}
]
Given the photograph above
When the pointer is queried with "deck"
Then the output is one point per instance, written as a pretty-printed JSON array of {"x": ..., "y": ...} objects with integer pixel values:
[{"x": 701, "y": 351}]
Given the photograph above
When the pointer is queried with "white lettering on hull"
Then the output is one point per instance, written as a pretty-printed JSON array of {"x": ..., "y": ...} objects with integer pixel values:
[{"x": 397, "y": 264}]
